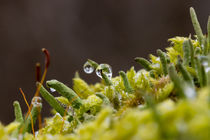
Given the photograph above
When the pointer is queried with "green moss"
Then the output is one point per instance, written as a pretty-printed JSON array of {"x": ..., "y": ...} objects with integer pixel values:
[{"x": 168, "y": 99}]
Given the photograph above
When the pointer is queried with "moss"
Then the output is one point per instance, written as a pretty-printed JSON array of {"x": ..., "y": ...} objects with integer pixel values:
[{"x": 168, "y": 99}]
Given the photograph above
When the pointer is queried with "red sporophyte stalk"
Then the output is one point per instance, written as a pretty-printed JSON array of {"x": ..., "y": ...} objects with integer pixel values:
[
  {"x": 38, "y": 71},
  {"x": 47, "y": 62}
]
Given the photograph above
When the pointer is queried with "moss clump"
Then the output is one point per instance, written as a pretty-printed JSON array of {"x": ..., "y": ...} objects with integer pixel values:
[{"x": 168, "y": 99}]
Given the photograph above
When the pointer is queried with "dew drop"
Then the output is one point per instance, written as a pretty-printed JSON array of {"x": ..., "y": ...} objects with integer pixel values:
[
  {"x": 37, "y": 101},
  {"x": 202, "y": 46},
  {"x": 52, "y": 90},
  {"x": 88, "y": 68},
  {"x": 206, "y": 65},
  {"x": 207, "y": 69},
  {"x": 106, "y": 69},
  {"x": 189, "y": 92},
  {"x": 36, "y": 133}
]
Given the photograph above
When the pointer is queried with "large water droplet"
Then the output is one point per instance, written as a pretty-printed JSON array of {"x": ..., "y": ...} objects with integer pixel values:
[
  {"x": 37, "y": 101},
  {"x": 106, "y": 69},
  {"x": 52, "y": 90},
  {"x": 88, "y": 68}
]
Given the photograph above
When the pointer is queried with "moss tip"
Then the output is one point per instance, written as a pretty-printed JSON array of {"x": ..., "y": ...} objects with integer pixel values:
[
  {"x": 47, "y": 57},
  {"x": 121, "y": 72},
  {"x": 15, "y": 103}
]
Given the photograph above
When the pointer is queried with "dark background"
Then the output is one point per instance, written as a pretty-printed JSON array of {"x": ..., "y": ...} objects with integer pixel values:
[{"x": 107, "y": 31}]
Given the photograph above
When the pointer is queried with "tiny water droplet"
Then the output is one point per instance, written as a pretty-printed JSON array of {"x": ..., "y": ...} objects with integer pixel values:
[
  {"x": 37, "y": 101},
  {"x": 106, "y": 69},
  {"x": 207, "y": 69},
  {"x": 52, "y": 90},
  {"x": 189, "y": 92},
  {"x": 202, "y": 46},
  {"x": 88, "y": 68},
  {"x": 70, "y": 110},
  {"x": 36, "y": 133},
  {"x": 205, "y": 63}
]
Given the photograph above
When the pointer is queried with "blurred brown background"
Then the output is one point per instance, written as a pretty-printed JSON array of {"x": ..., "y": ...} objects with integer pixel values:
[{"x": 107, "y": 31}]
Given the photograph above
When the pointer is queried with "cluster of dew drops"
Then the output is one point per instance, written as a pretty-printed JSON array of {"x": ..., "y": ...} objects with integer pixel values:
[
  {"x": 102, "y": 68},
  {"x": 88, "y": 68}
]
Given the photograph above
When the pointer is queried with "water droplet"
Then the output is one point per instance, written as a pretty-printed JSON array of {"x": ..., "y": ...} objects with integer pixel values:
[
  {"x": 189, "y": 92},
  {"x": 141, "y": 107},
  {"x": 70, "y": 110},
  {"x": 37, "y": 101},
  {"x": 205, "y": 63},
  {"x": 52, "y": 90},
  {"x": 36, "y": 133},
  {"x": 207, "y": 69},
  {"x": 202, "y": 46},
  {"x": 106, "y": 69},
  {"x": 88, "y": 68}
]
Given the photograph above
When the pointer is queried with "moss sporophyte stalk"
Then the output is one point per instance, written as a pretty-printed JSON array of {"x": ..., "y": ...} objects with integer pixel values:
[{"x": 168, "y": 99}]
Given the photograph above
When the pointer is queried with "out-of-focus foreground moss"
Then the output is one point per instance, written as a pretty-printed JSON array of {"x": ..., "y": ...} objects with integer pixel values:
[{"x": 168, "y": 99}]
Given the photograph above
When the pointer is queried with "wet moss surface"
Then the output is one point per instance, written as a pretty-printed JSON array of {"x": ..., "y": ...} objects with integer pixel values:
[{"x": 168, "y": 99}]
